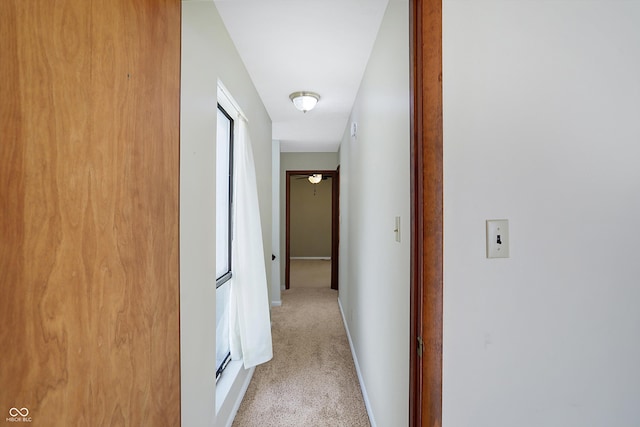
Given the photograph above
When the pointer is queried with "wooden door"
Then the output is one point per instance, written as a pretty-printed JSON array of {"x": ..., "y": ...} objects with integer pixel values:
[
  {"x": 89, "y": 157},
  {"x": 427, "y": 214}
]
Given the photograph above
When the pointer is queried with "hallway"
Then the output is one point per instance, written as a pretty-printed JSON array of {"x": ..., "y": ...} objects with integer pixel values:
[
  {"x": 373, "y": 251},
  {"x": 311, "y": 380}
]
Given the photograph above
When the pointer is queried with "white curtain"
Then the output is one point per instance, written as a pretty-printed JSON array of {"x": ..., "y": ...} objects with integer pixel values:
[{"x": 250, "y": 321}]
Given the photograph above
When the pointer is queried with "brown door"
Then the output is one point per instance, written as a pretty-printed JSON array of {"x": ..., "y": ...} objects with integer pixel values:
[
  {"x": 89, "y": 158},
  {"x": 427, "y": 211}
]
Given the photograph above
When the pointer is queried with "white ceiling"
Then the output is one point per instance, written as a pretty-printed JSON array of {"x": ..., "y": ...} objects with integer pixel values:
[{"x": 305, "y": 45}]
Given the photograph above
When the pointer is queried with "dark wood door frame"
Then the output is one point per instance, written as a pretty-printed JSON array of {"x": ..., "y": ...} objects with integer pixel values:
[
  {"x": 425, "y": 395},
  {"x": 335, "y": 224}
]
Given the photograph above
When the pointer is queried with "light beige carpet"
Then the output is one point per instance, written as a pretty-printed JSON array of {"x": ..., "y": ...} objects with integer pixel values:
[
  {"x": 309, "y": 273},
  {"x": 311, "y": 380}
]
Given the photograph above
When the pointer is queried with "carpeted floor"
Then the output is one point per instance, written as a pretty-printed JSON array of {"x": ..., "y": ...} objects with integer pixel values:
[
  {"x": 310, "y": 273},
  {"x": 311, "y": 380}
]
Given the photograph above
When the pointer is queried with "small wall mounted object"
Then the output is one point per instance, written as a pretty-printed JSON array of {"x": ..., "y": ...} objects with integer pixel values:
[{"x": 497, "y": 238}]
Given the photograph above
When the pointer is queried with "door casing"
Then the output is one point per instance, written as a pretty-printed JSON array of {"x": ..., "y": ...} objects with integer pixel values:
[
  {"x": 425, "y": 381},
  {"x": 335, "y": 229}
]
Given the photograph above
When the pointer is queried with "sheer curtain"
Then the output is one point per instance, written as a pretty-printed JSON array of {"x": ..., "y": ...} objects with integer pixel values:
[{"x": 250, "y": 321}]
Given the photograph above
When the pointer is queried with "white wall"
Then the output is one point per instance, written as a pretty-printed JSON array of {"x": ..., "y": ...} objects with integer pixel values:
[
  {"x": 274, "y": 294},
  {"x": 208, "y": 55},
  {"x": 542, "y": 126},
  {"x": 374, "y": 268}
]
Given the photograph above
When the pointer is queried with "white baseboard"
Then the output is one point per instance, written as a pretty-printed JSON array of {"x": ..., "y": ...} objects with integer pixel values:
[
  {"x": 367, "y": 404},
  {"x": 276, "y": 303},
  {"x": 311, "y": 257}
]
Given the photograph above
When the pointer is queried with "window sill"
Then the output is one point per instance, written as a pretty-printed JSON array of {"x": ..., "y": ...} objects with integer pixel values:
[{"x": 230, "y": 390}]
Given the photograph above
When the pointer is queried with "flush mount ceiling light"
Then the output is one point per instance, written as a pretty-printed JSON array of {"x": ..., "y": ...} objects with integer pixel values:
[
  {"x": 315, "y": 178},
  {"x": 304, "y": 101}
]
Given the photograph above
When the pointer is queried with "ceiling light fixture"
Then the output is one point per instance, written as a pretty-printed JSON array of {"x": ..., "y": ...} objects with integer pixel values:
[
  {"x": 304, "y": 101},
  {"x": 315, "y": 178}
]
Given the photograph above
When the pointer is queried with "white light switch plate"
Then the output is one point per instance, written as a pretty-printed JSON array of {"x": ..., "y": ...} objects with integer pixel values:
[{"x": 497, "y": 238}]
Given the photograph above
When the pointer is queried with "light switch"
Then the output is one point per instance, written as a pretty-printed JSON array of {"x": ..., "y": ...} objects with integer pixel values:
[{"x": 497, "y": 238}]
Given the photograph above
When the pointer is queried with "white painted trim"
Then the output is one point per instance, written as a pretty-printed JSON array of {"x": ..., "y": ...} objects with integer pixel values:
[
  {"x": 227, "y": 405},
  {"x": 311, "y": 257},
  {"x": 367, "y": 404},
  {"x": 228, "y": 103},
  {"x": 275, "y": 221},
  {"x": 276, "y": 303}
]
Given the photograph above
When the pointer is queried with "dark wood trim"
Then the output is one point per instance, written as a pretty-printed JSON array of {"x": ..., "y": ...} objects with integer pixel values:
[
  {"x": 425, "y": 403},
  {"x": 335, "y": 225},
  {"x": 287, "y": 245},
  {"x": 335, "y": 229}
]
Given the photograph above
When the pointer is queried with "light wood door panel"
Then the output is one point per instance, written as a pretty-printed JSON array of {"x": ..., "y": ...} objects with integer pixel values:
[{"x": 89, "y": 191}]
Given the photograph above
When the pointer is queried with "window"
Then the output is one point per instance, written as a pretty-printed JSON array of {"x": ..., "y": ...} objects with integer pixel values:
[{"x": 224, "y": 201}]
